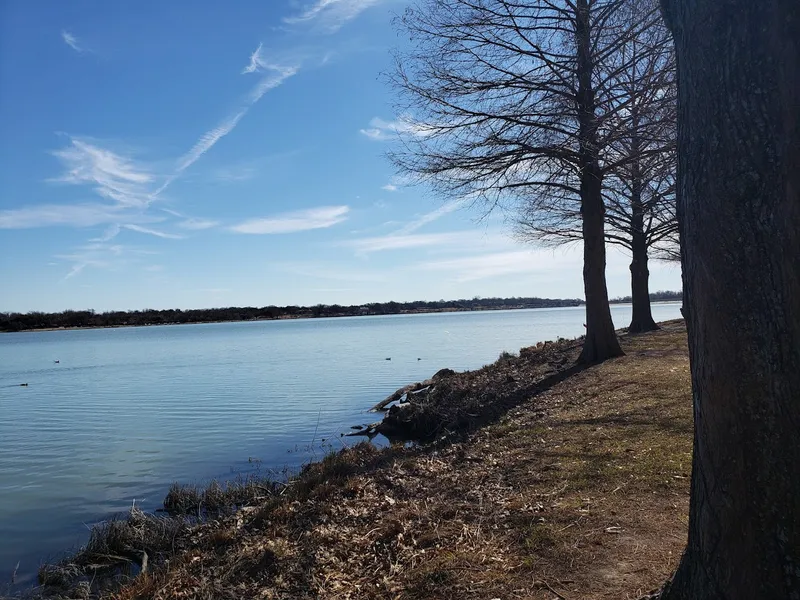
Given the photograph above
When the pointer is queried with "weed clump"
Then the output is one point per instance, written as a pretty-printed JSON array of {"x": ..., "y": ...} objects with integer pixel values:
[
  {"x": 216, "y": 498},
  {"x": 117, "y": 547}
]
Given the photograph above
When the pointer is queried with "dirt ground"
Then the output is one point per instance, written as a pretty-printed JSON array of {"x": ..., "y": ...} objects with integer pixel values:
[{"x": 580, "y": 491}]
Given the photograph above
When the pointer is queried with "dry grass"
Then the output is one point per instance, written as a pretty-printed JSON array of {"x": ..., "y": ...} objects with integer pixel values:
[
  {"x": 579, "y": 491},
  {"x": 117, "y": 550},
  {"x": 218, "y": 498}
]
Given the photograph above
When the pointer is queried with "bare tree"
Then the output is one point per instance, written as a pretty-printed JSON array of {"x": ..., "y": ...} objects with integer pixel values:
[
  {"x": 739, "y": 215},
  {"x": 507, "y": 98},
  {"x": 637, "y": 150}
]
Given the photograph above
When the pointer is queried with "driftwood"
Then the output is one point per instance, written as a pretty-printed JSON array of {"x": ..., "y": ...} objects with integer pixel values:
[
  {"x": 403, "y": 391},
  {"x": 393, "y": 422},
  {"x": 369, "y": 431},
  {"x": 413, "y": 391}
]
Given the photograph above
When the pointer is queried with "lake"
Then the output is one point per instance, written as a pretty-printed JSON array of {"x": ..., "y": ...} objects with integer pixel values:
[{"x": 127, "y": 411}]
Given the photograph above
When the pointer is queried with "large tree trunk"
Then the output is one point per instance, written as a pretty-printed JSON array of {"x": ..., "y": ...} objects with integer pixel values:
[
  {"x": 642, "y": 316},
  {"x": 739, "y": 214},
  {"x": 601, "y": 340}
]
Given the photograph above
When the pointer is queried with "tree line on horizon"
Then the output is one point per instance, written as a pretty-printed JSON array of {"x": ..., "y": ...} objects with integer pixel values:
[{"x": 14, "y": 321}]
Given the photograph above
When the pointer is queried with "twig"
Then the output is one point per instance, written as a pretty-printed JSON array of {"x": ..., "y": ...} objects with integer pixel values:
[
  {"x": 314, "y": 437},
  {"x": 144, "y": 563},
  {"x": 549, "y": 587}
]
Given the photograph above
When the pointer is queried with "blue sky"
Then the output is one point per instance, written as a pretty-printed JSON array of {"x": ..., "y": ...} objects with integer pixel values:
[{"x": 173, "y": 154}]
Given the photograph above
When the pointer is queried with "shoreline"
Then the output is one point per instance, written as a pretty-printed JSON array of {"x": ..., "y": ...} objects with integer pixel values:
[
  {"x": 295, "y": 318},
  {"x": 321, "y": 484},
  {"x": 311, "y": 317}
]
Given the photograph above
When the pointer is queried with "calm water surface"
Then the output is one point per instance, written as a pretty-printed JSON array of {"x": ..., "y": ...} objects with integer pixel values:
[{"x": 127, "y": 411}]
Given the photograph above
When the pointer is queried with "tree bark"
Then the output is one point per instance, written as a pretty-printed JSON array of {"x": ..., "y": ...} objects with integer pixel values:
[
  {"x": 601, "y": 340},
  {"x": 739, "y": 215},
  {"x": 642, "y": 316}
]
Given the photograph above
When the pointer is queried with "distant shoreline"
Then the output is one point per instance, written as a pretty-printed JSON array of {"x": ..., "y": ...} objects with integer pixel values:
[
  {"x": 566, "y": 304},
  {"x": 293, "y": 318}
]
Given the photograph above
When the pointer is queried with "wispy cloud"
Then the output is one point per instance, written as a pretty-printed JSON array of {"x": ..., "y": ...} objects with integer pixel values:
[
  {"x": 331, "y": 15},
  {"x": 404, "y": 237},
  {"x": 381, "y": 130},
  {"x": 314, "y": 218},
  {"x": 71, "y": 41},
  {"x": 99, "y": 255},
  {"x": 112, "y": 176},
  {"x": 155, "y": 232},
  {"x": 397, "y": 182},
  {"x": 251, "y": 168},
  {"x": 234, "y": 173},
  {"x": 208, "y": 139},
  {"x": 432, "y": 216},
  {"x": 472, "y": 268},
  {"x": 76, "y": 268},
  {"x": 276, "y": 75},
  {"x": 75, "y": 215},
  {"x": 110, "y": 233},
  {"x": 256, "y": 61},
  {"x": 122, "y": 184},
  {"x": 398, "y": 241},
  {"x": 331, "y": 271},
  {"x": 195, "y": 224}
]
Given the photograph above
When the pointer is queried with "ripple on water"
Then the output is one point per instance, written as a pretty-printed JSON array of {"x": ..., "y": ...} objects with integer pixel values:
[{"x": 127, "y": 411}]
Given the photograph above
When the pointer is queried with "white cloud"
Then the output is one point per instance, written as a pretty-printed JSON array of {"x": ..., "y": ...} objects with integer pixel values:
[
  {"x": 398, "y": 181},
  {"x": 71, "y": 41},
  {"x": 275, "y": 77},
  {"x": 331, "y": 15},
  {"x": 109, "y": 234},
  {"x": 255, "y": 61},
  {"x": 432, "y": 216},
  {"x": 208, "y": 139},
  {"x": 76, "y": 215},
  {"x": 398, "y": 241},
  {"x": 331, "y": 271},
  {"x": 155, "y": 232},
  {"x": 234, "y": 173},
  {"x": 278, "y": 74},
  {"x": 404, "y": 237},
  {"x": 77, "y": 268},
  {"x": 112, "y": 176},
  {"x": 122, "y": 183},
  {"x": 197, "y": 224},
  {"x": 314, "y": 218},
  {"x": 96, "y": 255},
  {"x": 381, "y": 130},
  {"x": 472, "y": 268}
]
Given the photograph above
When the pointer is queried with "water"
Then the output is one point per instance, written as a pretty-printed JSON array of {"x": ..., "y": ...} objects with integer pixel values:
[{"x": 127, "y": 411}]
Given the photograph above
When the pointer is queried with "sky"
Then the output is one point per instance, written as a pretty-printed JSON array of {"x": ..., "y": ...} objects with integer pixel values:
[{"x": 187, "y": 155}]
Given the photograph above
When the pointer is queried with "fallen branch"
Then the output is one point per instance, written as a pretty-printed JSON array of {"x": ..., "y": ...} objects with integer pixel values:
[{"x": 403, "y": 391}]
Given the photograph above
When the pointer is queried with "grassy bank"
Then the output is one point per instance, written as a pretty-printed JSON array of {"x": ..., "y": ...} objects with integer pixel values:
[{"x": 545, "y": 481}]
